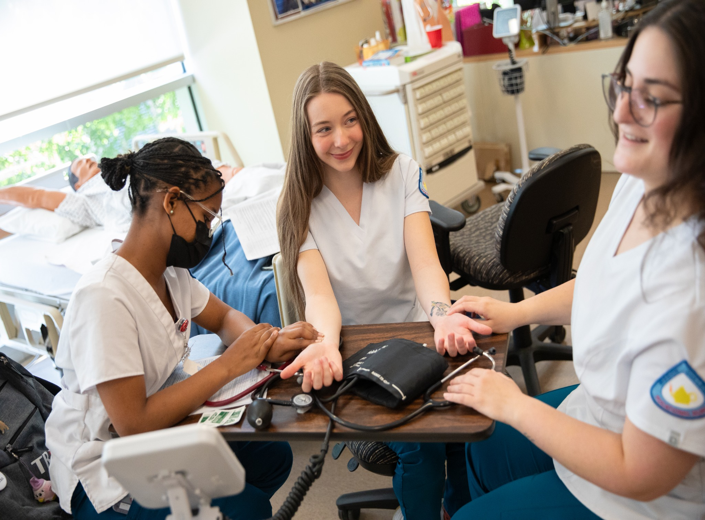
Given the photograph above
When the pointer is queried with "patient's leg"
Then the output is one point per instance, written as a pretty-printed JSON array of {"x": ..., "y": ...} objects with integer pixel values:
[{"x": 29, "y": 197}]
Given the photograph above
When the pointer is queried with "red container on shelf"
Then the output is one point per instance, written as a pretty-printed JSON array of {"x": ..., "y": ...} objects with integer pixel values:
[
  {"x": 478, "y": 39},
  {"x": 435, "y": 35}
]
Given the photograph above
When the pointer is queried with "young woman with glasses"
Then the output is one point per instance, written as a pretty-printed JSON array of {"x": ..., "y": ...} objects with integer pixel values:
[
  {"x": 629, "y": 441},
  {"x": 126, "y": 329}
]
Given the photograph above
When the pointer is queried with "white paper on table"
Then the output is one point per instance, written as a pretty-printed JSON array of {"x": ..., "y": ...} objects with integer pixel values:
[
  {"x": 255, "y": 222},
  {"x": 234, "y": 387}
]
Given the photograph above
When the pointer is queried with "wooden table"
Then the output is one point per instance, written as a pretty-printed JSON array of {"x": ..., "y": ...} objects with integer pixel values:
[{"x": 454, "y": 424}]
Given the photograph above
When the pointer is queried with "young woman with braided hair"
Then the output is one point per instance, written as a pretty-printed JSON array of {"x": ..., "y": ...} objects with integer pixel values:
[{"x": 126, "y": 329}]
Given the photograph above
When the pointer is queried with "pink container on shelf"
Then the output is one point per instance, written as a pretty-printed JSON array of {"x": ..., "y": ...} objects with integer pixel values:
[{"x": 435, "y": 35}]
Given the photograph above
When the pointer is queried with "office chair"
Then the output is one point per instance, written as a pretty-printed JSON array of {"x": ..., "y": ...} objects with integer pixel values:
[
  {"x": 528, "y": 241},
  {"x": 508, "y": 180}
]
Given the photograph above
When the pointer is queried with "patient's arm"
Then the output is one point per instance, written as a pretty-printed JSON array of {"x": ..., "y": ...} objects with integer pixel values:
[
  {"x": 29, "y": 197},
  {"x": 321, "y": 362},
  {"x": 229, "y": 324},
  {"x": 453, "y": 334}
]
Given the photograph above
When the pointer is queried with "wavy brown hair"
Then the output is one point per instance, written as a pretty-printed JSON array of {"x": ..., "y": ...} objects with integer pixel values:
[
  {"x": 683, "y": 22},
  {"x": 304, "y": 171}
]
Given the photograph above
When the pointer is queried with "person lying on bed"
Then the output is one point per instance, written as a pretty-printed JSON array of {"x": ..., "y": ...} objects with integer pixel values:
[{"x": 92, "y": 203}]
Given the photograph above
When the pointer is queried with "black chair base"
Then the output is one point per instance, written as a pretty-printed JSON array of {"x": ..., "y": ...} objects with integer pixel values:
[
  {"x": 526, "y": 348},
  {"x": 349, "y": 505},
  {"x": 527, "y": 357}
]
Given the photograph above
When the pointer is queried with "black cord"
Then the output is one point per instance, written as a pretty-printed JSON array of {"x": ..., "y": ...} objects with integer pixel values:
[
  {"x": 343, "y": 388},
  {"x": 382, "y": 427},
  {"x": 305, "y": 481},
  {"x": 511, "y": 56}
]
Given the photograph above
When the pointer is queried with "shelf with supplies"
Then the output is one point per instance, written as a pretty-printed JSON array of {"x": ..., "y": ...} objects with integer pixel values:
[{"x": 552, "y": 50}]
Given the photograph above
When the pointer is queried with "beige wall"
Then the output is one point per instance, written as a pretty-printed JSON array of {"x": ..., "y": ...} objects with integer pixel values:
[
  {"x": 287, "y": 49},
  {"x": 563, "y": 103},
  {"x": 221, "y": 51}
]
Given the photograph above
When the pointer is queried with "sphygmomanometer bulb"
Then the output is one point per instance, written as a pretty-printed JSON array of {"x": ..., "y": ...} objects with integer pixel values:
[
  {"x": 492, "y": 351},
  {"x": 259, "y": 414}
]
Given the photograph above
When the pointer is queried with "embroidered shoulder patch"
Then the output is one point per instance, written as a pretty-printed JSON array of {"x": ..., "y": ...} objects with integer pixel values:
[
  {"x": 680, "y": 392},
  {"x": 422, "y": 184}
]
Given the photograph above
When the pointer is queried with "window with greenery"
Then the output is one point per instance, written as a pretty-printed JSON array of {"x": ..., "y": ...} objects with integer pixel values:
[{"x": 106, "y": 137}]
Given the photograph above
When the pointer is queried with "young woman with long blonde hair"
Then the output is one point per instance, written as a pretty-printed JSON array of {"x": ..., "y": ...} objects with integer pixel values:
[{"x": 358, "y": 248}]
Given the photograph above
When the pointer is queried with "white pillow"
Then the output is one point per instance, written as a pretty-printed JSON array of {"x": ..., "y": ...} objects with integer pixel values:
[{"x": 39, "y": 223}]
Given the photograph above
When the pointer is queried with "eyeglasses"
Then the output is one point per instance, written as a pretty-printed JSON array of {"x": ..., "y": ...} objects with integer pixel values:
[
  {"x": 642, "y": 107},
  {"x": 217, "y": 217}
]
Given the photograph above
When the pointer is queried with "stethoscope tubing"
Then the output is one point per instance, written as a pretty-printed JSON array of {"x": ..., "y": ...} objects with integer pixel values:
[{"x": 428, "y": 403}]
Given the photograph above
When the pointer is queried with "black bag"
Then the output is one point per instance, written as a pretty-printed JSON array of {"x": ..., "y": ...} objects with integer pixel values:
[
  {"x": 25, "y": 403},
  {"x": 393, "y": 373}
]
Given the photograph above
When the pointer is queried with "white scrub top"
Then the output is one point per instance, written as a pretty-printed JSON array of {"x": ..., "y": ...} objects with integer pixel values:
[
  {"x": 96, "y": 204},
  {"x": 638, "y": 327},
  {"x": 116, "y": 326},
  {"x": 367, "y": 264}
]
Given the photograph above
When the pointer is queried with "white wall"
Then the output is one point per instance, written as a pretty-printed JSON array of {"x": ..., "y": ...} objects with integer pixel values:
[
  {"x": 232, "y": 94},
  {"x": 563, "y": 103}
]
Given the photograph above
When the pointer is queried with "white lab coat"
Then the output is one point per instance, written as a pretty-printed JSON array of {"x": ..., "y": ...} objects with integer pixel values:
[
  {"x": 637, "y": 318},
  {"x": 367, "y": 264},
  {"x": 116, "y": 326}
]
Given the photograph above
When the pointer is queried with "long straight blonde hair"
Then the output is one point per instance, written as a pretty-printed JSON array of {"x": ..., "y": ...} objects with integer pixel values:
[{"x": 304, "y": 171}]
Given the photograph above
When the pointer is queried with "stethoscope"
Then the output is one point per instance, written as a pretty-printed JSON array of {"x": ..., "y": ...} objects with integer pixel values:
[{"x": 259, "y": 413}]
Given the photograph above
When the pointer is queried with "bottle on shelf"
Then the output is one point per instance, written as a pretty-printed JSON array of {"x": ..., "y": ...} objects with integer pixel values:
[{"x": 605, "y": 20}]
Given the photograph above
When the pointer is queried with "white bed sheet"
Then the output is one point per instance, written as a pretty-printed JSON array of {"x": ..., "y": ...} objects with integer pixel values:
[{"x": 52, "y": 269}]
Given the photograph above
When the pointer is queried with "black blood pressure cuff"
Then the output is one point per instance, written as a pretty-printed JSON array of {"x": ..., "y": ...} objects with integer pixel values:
[{"x": 395, "y": 372}]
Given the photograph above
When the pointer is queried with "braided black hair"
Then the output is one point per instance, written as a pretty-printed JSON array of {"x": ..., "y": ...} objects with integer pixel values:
[{"x": 165, "y": 162}]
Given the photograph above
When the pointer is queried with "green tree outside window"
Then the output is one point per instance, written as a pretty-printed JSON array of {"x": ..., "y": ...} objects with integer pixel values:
[{"x": 106, "y": 137}]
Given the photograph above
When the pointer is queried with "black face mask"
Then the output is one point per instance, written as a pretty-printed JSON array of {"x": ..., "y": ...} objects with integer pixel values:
[
  {"x": 189, "y": 254},
  {"x": 72, "y": 179}
]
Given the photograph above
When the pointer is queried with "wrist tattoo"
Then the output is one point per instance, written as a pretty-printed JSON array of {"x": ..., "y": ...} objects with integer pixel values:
[{"x": 439, "y": 308}]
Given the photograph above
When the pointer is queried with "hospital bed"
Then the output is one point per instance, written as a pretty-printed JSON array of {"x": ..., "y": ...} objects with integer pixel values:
[{"x": 38, "y": 277}]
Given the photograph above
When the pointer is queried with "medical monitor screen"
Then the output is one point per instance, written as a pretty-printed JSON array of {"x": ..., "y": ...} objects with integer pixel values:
[{"x": 506, "y": 22}]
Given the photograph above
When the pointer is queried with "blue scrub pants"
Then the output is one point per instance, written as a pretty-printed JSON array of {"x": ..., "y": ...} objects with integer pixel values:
[
  {"x": 267, "y": 466},
  {"x": 420, "y": 475},
  {"x": 511, "y": 479}
]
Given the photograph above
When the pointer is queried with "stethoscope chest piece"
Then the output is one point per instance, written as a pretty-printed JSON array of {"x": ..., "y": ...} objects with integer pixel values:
[{"x": 302, "y": 403}]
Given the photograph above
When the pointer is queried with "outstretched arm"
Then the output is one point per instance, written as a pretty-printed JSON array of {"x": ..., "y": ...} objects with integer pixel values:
[
  {"x": 229, "y": 324},
  {"x": 633, "y": 464},
  {"x": 321, "y": 362},
  {"x": 552, "y": 307},
  {"x": 453, "y": 332},
  {"x": 29, "y": 197}
]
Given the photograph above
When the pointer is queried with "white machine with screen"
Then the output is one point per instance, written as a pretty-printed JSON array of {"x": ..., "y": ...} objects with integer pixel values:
[
  {"x": 183, "y": 468},
  {"x": 423, "y": 109},
  {"x": 506, "y": 23},
  {"x": 510, "y": 73}
]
